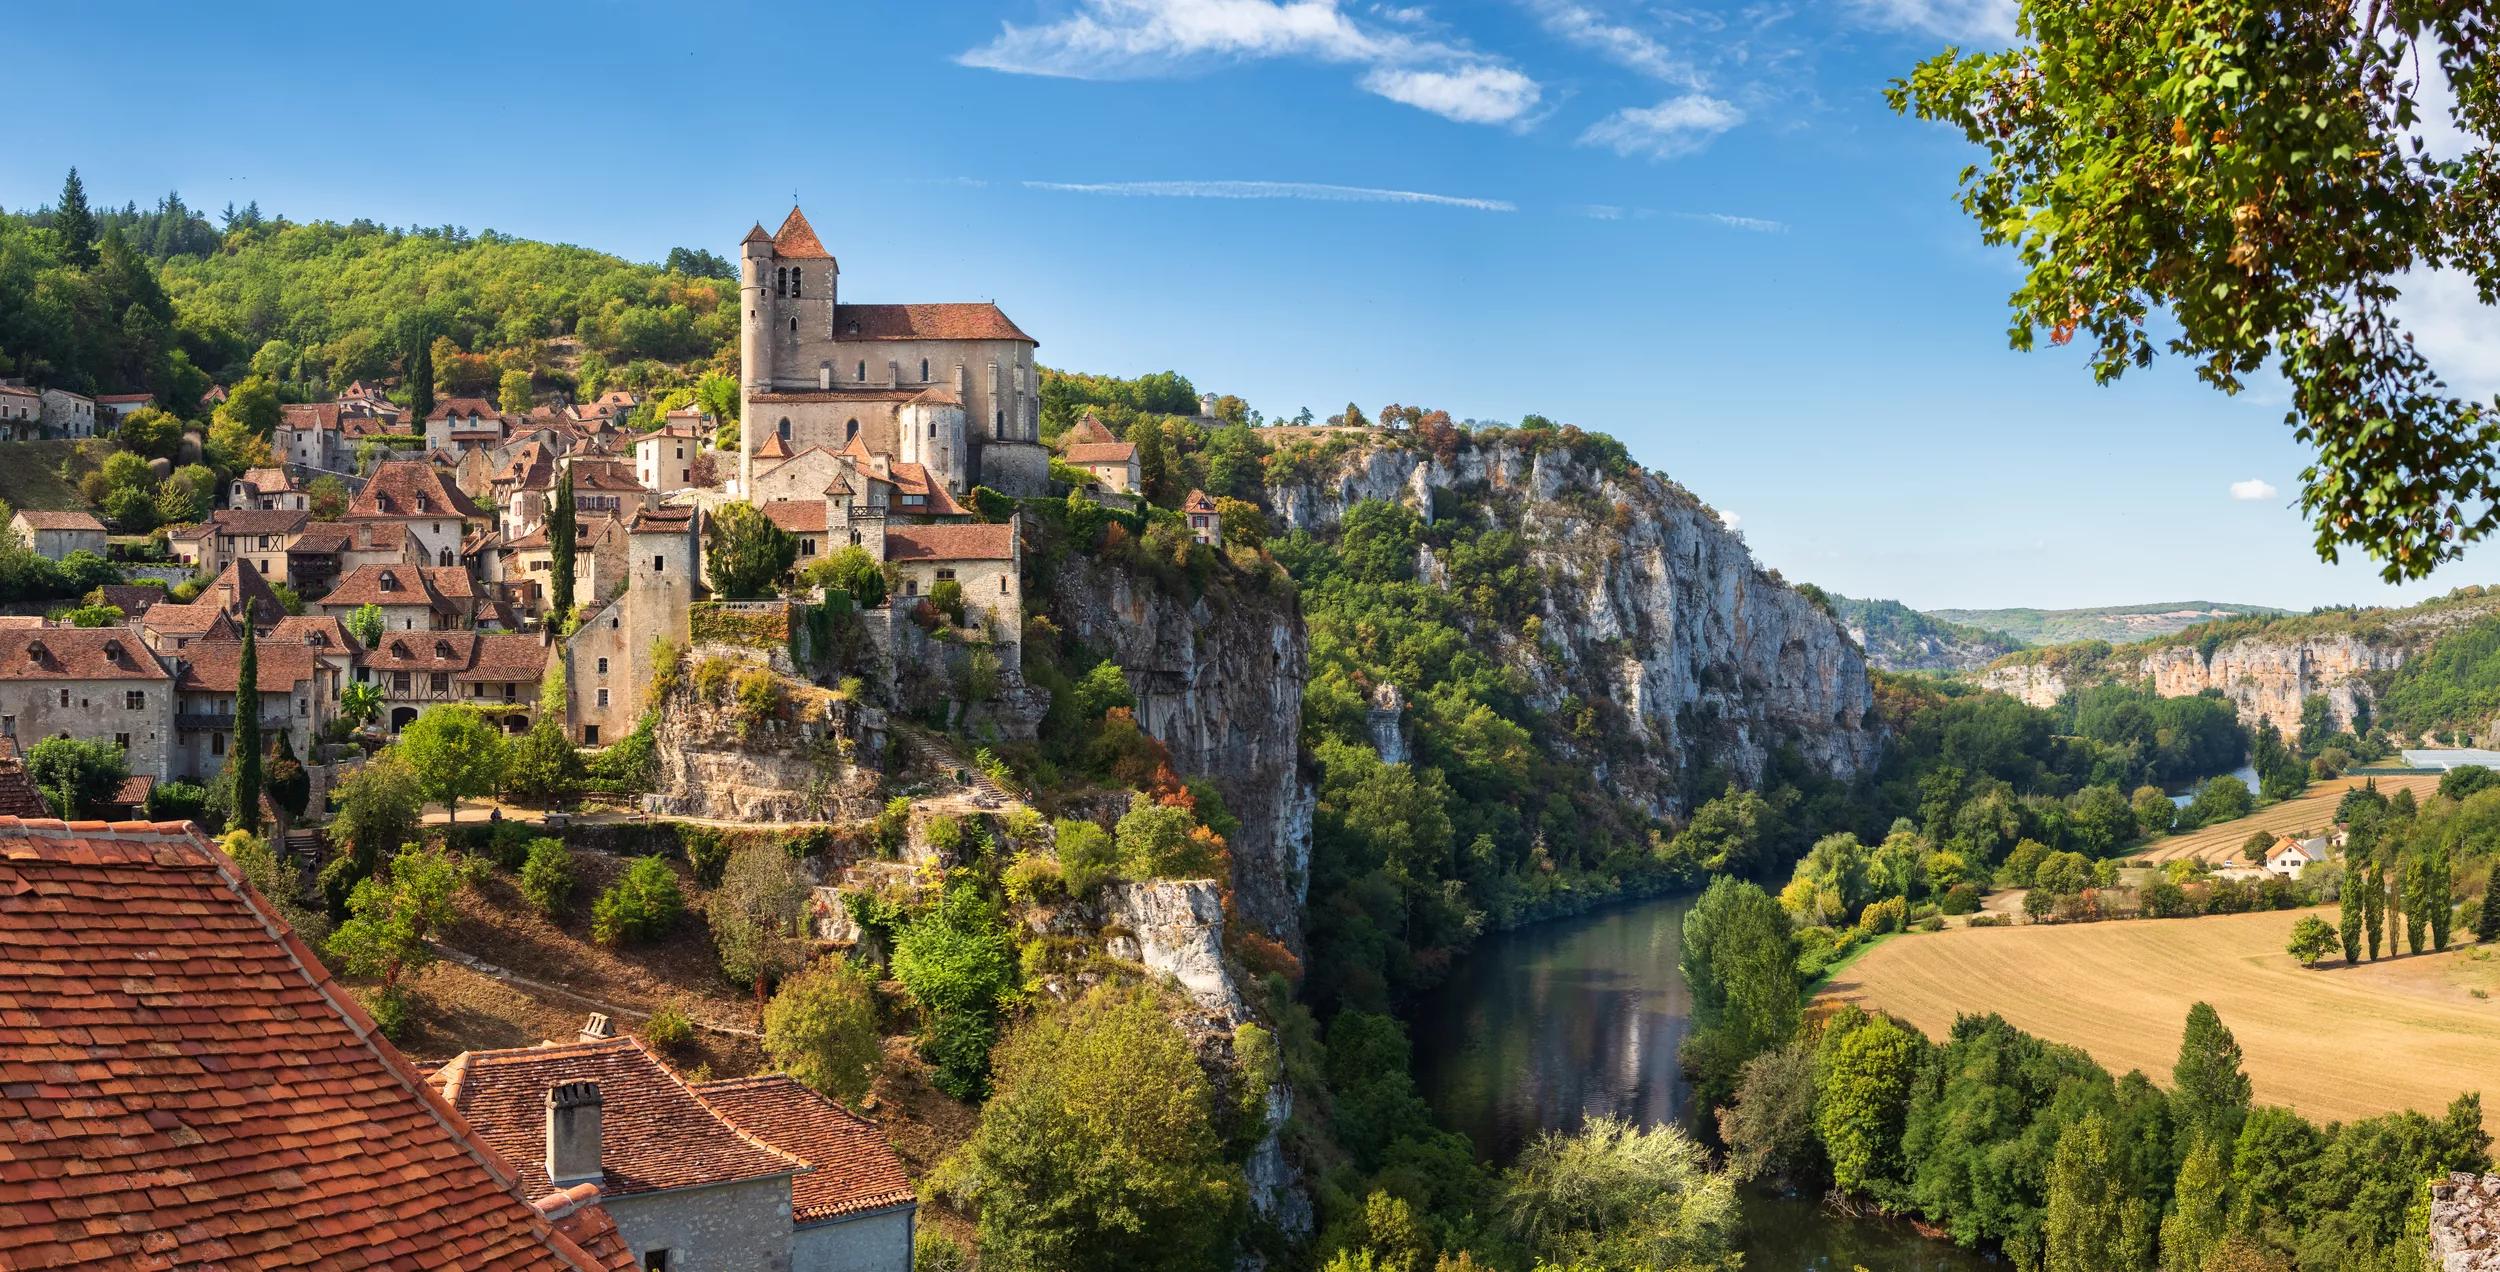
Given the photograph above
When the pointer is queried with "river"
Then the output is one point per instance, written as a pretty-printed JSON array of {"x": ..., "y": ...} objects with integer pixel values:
[{"x": 1539, "y": 1028}]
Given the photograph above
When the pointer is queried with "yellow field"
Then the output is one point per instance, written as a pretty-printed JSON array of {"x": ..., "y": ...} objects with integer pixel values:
[
  {"x": 2334, "y": 1042},
  {"x": 2313, "y": 809}
]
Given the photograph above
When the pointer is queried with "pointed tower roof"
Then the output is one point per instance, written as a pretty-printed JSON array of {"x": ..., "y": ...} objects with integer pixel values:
[
  {"x": 757, "y": 234},
  {"x": 798, "y": 239}
]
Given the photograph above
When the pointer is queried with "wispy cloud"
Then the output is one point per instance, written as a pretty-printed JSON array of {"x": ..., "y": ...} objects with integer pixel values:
[
  {"x": 1749, "y": 224},
  {"x": 2252, "y": 489},
  {"x": 1978, "y": 21},
  {"x": 1676, "y": 126},
  {"x": 1601, "y": 211},
  {"x": 1617, "y": 42},
  {"x": 1269, "y": 190},
  {"x": 2455, "y": 330},
  {"x": 1133, "y": 39}
]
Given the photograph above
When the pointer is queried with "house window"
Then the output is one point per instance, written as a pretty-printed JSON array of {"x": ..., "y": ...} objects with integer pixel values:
[
  {"x": 122, "y": 740},
  {"x": 794, "y": 323},
  {"x": 807, "y": 547},
  {"x": 440, "y": 682},
  {"x": 590, "y": 735},
  {"x": 781, "y": 282},
  {"x": 656, "y": 1261},
  {"x": 399, "y": 682},
  {"x": 216, "y": 744},
  {"x": 603, "y": 698},
  {"x": 795, "y": 276},
  {"x": 135, "y": 700},
  {"x": 659, "y": 565},
  {"x": 65, "y": 697},
  {"x": 603, "y": 666},
  {"x": 8, "y": 725},
  {"x": 945, "y": 575},
  {"x": 785, "y": 428}
]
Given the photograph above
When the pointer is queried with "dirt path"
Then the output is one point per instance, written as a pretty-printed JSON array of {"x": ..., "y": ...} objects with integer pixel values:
[{"x": 2334, "y": 1041}]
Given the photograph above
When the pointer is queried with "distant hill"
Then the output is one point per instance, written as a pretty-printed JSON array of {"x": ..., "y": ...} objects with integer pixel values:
[
  {"x": 2117, "y": 624},
  {"x": 1898, "y": 638}
]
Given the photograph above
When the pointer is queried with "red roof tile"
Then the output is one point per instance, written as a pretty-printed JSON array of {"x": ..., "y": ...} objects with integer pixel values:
[
  {"x": 1197, "y": 502},
  {"x": 970, "y": 320},
  {"x": 318, "y": 416},
  {"x": 798, "y": 516},
  {"x": 854, "y": 1169},
  {"x": 1088, "y": 429},
  {"x": 18, "y": 797},
  {"x": 398, "y": 585},
  {"x": 798, "y": 239},
  {"x": 77, "y": 653},
  {"x": 184, "y": 1085},
  {"x": 950, "y": 543},
  {"x": 1084, "y": 453},
  {"x": 42, "y": 519},
  {"x": 410, "y": 488},
  {"x": 507, "y": 656},
  {"x": 655, "y": 1133},
  {"x": 216, "y": 666}
]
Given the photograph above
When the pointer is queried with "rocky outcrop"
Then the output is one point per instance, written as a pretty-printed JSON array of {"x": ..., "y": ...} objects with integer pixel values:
[
  {"x": 2267, "y": 681},
  {"x": 1175, "y": 928},
  {"x": 2465, "y": 1223},
  {"x": 1218, "y": 680},
  {"x": 812, "y": 758},
  {"x": 1652, "y": 604}
]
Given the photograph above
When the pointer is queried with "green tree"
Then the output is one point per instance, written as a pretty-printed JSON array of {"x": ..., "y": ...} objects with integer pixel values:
[
  {"x": 512, "y": 392},
  {"x": 2209, "y": 1091},
  {"x": 851, "y": 570},
  {"x": 250, "y": 409},
  {"x": 562, "y": 535},
  {"x": 1740, "y": 961},
  {"x": 76, "y": 775},
  {"x": 392, "y": 913},
  {"x": 2154, "y": 812},
  {"x": 1616, "y": 1196},
  {"x": 744, "y": 553},
  {"x": 545, "y": 769},
  {"x": 1154, "y": 465},
  {"x": 2348, "y": 926},
  {"x": 957, "y": 963},
  {"x": 756, "y": 915},
  {"x": 360, "y": 703},
  {"x": 1864, "y": 1068},
  {"x": 246, "y": 760},
  {"x": 547, "y": 876},
  {"x": 1157, "y": 841},
  {"x": 641, "y": 907},
  {"x": 2487, "y": 919},
  {"x": 1099, "y": 1151},
  {"x": 455, "y": 753},
  {"x": 2084, "y": 1218},
  {"x": 152, "y": 432},
  {"x": 2198, "y": 1217},
  {"x": 75, "y": 222},
  {"x": 2253, "y": 180},
  {"x": 2311, "y": 939},
  {"x": 374, "y": 810},
  {"x": 821, "y": 1028}
]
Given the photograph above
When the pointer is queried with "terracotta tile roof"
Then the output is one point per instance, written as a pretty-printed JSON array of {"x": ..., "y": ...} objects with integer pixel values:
[
  {"x": 317, "y": 416},
  {"x": 185, "y": 1086},
  {"x": 972, "y": 320},
  {"x": 133, "y": 792},
  {"x": 622, "y": 399},
  {"x": 236, "y": 587},
  {"x": 371, "y": 426},
  {"x": 655, "y": 1133},
  {"x": 77, "y": 653},
  {"x": 410, "y": 488},
  {"x": 663, "y": 520},
  {"x": 506, "y": 656},
  {"x": 14, "y": 390},
  {"x": 604, "y": 475},
  {"x": 199, "y": 618},
  {"x": 423, "y": 651},
  {"x": 42, "y": 519},
  {"x": 798, "y": 240},
  {"x": 798, "y": 516},
  {"x": 463, "y": 407},
  {"x": 950, "y": 543},
  {"x": 395, "y": 585},
  {"x": 1197, "y": 502},
  {"x": 1084, "y": 453},
  {"x": 914, "y": 479},
  {"x": 241, "y": 521},
  {"x": 268, "y": 481},
  {"x": 322, "y": 633},
  {"x": 773, "y": 448},
  {"x": 119, "y": 398},
  {"x": 374, "y": 535},
  {"x": 18, "y": 797},
  {"x": 214, "y": 666},
  {"x": 322, "y": 538},
  {"x": 844, "y": 394},
  {"x": 133, "y": 599},
  {"x": 854, "y": 1169},
  {"x": 939, "y": 395},
  {"x": 1088, "y": 428}
]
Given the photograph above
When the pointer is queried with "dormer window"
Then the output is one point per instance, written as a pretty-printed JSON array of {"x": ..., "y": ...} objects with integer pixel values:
[
  {"x": 390, "y": 582},
  {"x": 442, "y": 649},
  {"x": 35, "y": 651}
]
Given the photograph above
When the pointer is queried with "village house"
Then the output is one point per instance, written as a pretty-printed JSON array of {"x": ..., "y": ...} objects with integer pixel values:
[
  {"x": 599, "y": 546},
  {"x": 309, "y": 435},
  {"x": 465, "y": 424},
  {"x": 334, "y": 654},
  {"x": 1112, "y": 462},
  {"x": 54, "y": 535},
  {"x": 111, "y": 408},
  {"x": 608, "y": 658},
  {"x": 413, "y": 494},
  {"x": 209, "y": 674},
  {"x": 21, "y": 413},
  {"x": 88, "y": 682},
  {"x": 231, "y": 1106},
  {"x": 1206, "y": 525},
  {"x": 312, "y": 560},
  {"x": 497, "y": 672},
  {"x": 2291, "y": 854},
  {"x": 695, "y": 1176},
  {"x": 983, "y": 561},
  {"x": 67, "y": 414},
  {"x": 259, "y": 540},
  {"x": 235, "y": 597},
  {"x": 412, "y": 598},
  {"x": 269, "y": 490},
  {"x": 666, "y": 460}
]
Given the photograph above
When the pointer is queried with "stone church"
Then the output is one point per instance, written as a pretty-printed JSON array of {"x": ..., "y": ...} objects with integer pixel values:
[{"x": 951, "y": 387}]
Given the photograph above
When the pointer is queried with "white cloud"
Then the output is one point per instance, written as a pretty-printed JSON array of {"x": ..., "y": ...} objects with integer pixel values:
[
  {"x": 2453, "y": 328},
  {"x": 1978, "y": 21},
  {"x": 1625, "y": 46},
  {"x": 1678, "y": 125},
  {"x": 1479, "y": 94},
  {"x": 1750, "y": 224},
  {"x": 1600, "y": 211},
  {"x": 1269, "y": 190},
  {"x": 2253, "y": 488},
  {"x": 1133, "y": 39},
  {"x": 1729, "y": 519}
]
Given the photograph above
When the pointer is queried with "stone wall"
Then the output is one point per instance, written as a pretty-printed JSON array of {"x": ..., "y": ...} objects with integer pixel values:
[{"x": 741, "y": 1227}]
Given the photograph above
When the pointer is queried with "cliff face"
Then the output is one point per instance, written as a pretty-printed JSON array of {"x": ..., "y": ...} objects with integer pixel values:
[
  {"x": 1218, "y": 680},
  {"x": 1651, "y": 605},
  {"x": 813, "y": 758}
]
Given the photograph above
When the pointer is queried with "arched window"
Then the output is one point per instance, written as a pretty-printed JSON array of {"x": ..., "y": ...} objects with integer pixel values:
[
  {"x": 781, "y": 282},
  {"x": 446, "y": 555},
  {"x": 795, "y": 276},
  {"x": 850, "y": 432},
  {"x": 794, "y": 323},
  {"x": 785, "y": 428},
  {"x": 924, "y": 370},
  {"x": 862, "y": 373}
]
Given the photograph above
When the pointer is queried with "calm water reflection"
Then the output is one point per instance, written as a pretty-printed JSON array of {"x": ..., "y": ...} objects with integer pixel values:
[{"x": 1541, "y": 1028}]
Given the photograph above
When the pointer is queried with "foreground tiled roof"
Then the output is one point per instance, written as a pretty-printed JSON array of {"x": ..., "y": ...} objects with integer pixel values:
[
  {"x": 798, "y": 516},
  {"x": 655, "y": 1133},
  {"x": 268, "y": 481},
  {"x": 950, "y": 543},
  {"x": 974, "y": 320},
  {"x": 914, "y": 479},
  {"x": 236, "y": 586},
  {"x": 43, "y": 519},
  {"x": 184, "y": 1086},
  {"x": 199, "y": 618},
  {"x": 18, "y": 797},
  {"x": 854, "y": 1169},
  {"x": 463, "y": 408},
  {"x": 506, "y": 656}
]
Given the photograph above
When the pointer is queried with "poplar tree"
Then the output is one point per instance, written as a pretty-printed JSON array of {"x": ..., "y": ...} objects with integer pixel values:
[
  {"x": 2487, "y": 921},
  {"x": 560, "y": 532},
  {"x": 2438, "y": 896},
  {"x": 2348, "y": 923},
  {"x": 74, "y": 221},
  {"x": 2209, "y": 1091},
  {"x": 245, "y": 761},
  {"x": 2198, "y": 1220}
]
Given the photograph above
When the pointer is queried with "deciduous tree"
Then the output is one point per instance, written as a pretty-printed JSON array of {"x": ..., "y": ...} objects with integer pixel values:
[
  {"x": 744, "y": 553},
  {"x": 455, "y": 752},
  {"x": 821, "y": 1028}
]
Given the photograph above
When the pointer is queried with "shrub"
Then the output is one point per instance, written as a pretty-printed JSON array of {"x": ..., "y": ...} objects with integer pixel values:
[
  {"x": 643, "y": 905},
  {"x": 1961, "y": 898},
  {"x": 821, "y": 1028},
  {"x": 707, "y": 853},
  {"x": 945, "y": 835},
  {"x": 547, "y": 876},
  {"x": 668, "y": 1029},
  {"x": 893, "y": 826},
  {"x": 1032, "y": 877},
  {"x": 1087, "y": 857},
  {"x": 507, "y": 844},
  {"x": 956, "y": 962},
  {"x": 1888, "y": 915},
  {"x": 1987, "y": 920},
  {"x": 389, "y": 1009}
]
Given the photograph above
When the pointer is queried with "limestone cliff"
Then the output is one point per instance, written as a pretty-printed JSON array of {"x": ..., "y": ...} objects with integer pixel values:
[
  {"x": 810, "y": 756},
  {"x": 1218, "y": 680},
  {"x": 1651, "y": 604}
]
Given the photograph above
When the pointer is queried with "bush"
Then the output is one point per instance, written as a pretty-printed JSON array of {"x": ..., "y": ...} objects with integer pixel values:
[
  {"x": 1087, "y": 857},
  {"x": 547, "y": 876},
  {"x": 821, "y": 1028},
  {"x": 668, "y": 1029},
  {"x": 642, "y": 906},
  {"x": 1032, "y": 877},
  {"x": 707, "y": 853},
  {"x": 1987, "y": 920},
  {"x": 1961, "y": 898},
  {"x": 1888, "y": 915},
  {"x": 389, "y": 1009}
]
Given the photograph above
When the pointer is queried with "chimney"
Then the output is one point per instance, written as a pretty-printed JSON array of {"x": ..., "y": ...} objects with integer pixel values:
[
  {"x": 597, "y": 1028},
  {"x": 573, "y": 1134}
]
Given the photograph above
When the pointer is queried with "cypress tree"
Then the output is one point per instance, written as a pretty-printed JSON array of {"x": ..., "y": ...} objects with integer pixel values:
[
  {"x": 75, "y": 222},
  {"x": 420, "y": 377},
  {"x": 560, "y": 534},
  {"x": 2209, "y": 1091},
  {"x": 245, "y": 761},
  {"x": 2348, "y": 923},
  {"x": 2438, "y": 896},
  {"x": 2487, "y": 923}
]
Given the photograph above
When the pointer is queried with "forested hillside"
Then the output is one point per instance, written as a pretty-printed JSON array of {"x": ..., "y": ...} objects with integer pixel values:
[
  {"x": 168, "y": 301},
  {"x": 1898, "y": 638}
]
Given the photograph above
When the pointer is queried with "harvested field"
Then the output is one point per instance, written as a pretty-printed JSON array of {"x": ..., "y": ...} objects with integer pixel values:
[
  {"x": 2313, "y": 809},
  {"x": 2335, "y": 1042}
]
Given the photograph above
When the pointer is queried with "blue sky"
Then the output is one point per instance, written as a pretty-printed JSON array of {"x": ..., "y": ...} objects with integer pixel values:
[{"x": 1694, "y": 225}]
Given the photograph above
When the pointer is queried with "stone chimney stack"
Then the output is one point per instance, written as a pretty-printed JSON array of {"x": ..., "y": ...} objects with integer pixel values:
[{"x": 573, "y": 1133}]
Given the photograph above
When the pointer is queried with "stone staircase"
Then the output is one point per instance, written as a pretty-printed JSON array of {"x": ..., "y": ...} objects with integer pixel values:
[{"x": 940, "y": 754}]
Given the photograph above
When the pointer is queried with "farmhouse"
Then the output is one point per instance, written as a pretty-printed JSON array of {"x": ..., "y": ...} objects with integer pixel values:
[
  {"x": 2291, "y": 855},
  {"x": 53, "y": 535}
]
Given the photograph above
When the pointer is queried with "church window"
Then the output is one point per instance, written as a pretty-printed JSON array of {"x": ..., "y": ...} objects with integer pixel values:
[
  {"x": 785, "y": 428},
  {"x": 795, "y": 276},
  {"x": 794, "y": 324},
  {"x": 933, "y": 428},
  {"x": 861, "y": 374},
  {"x": 781, "y": 282},
  {"x": 850, "y": 431},
  {"x": 924, "y": 370}
]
